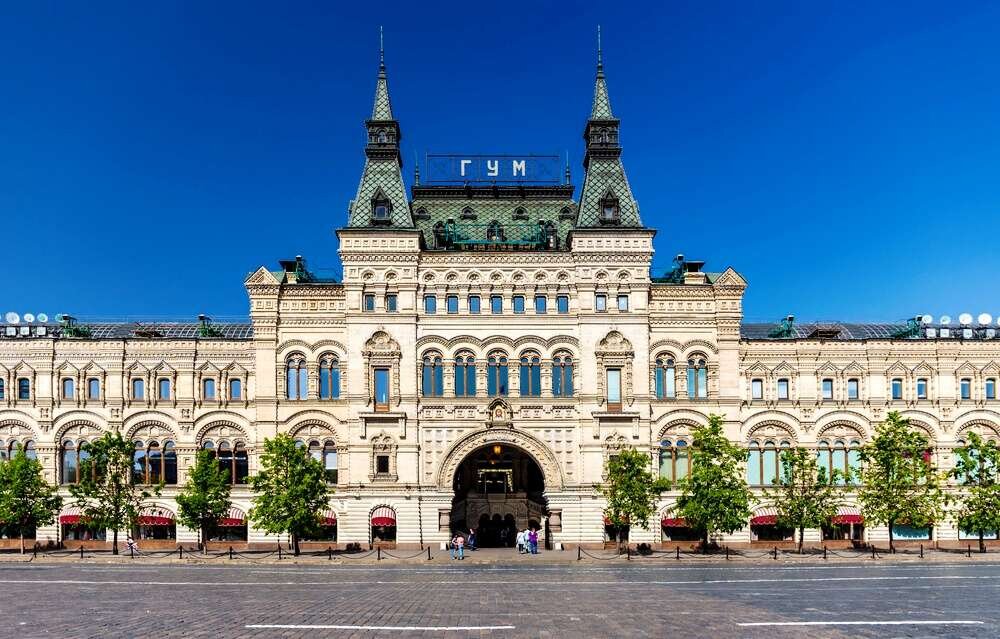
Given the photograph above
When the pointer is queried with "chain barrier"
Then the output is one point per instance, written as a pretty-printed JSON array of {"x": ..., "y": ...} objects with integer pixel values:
[
  {"x": 419, "y": 553},
  {"x": 592, "y": 556}
]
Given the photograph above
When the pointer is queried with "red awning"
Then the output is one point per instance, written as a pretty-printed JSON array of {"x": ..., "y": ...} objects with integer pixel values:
[
  {"x": 156, "y": 517},
  {"x": 673, "y": 522},
  {"x": 764, "y": 517},
  {"x": 71, "y": 516},
  {"x": 328, "y": 518},
  {"x": 848, "y": 515},
  {"x": 235, "y": 517},
  {"x": 383, "y": 516}
]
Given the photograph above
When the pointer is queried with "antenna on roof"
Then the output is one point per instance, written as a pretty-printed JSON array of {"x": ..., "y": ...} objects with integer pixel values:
[{"x": 381, "y": 50}]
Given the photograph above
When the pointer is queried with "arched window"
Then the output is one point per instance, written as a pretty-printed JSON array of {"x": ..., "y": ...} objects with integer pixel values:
[
  {"x": 2, "y": 390},
  {"x": 138, "y": 389},
  {"x": 67, "y": 388},
  {"x": 496, "y": 375},
  {"x": 764, "y": 462},
  {"x": 232, "y": 459},
  {"x": 163, "y": 388},
  {"x": 381, "y": 209},
  {"x": 697, "y": 377},
  {"x": 432, "y": 374},
  {"x": 329, "y": 377},
  {"x": 842, "y": 456},
  {"x": 531, "y": 375},
  {"x": 610, "y": 210},
  {"x": 12, "y": 448},
  {"x": 235, "y": 389},
  {"x": 169, "y": 463},
  {"x": 296, "y": 377},
  {"x": 224, "y": 457},
  {"x": 29, "y": 450},
  {"x": 562, "y": 375},
  {"x": 494, "y": 232},
  {"x": 330, "y": 461},
  {"x": 93, "y": 388},
  {"x": 208, "y": 389},
  {"x": 23, "y": 388},
  {"x": 675, "y": 459},
  {"x": 665, "y": 377},
  {"x": 152, "y": 464},
  {"x": 465, "y": 375},
  {"x": 73, "y": 455}
]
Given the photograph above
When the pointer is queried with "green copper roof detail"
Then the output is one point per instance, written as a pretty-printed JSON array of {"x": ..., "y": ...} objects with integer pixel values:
[
  {"x": 382, "y": 180},
  {"x": 606, "y": 181},
  {"x": 601, "y": 109},
  {"x": 382, "y": 109}
]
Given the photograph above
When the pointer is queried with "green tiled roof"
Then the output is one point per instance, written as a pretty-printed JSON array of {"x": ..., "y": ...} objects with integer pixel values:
[
  {"x": 606, "y": 176},
  {"x": 601, "y": 109},
  {"x": 380, "y": 176},
  {"x": 382, "y": 109}
]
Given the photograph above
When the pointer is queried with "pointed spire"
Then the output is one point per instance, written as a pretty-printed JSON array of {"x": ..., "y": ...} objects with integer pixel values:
[
  {"x": 601, "y": 109},
  {"x": 567, "y": 174},
  {"x": 382, "y": 109}
]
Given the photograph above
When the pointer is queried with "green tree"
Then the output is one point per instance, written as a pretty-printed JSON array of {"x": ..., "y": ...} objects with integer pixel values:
[
  {"x": 204, "y": 500},
  {"x": 631, "y": 491},
  {"x": 899, "y": 483},
  {"x": 977, "y": 469},
  {"x": 291, "y": 490},
  {"x": 26, "y": 499},
  {"x": 715, "y": 496},
  {"x": 806, "y": 497},
  {"x": 106, "y": 494}
]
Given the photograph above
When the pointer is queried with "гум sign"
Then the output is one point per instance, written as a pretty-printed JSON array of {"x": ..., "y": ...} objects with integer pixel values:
[{"x": 492, "y": 168}]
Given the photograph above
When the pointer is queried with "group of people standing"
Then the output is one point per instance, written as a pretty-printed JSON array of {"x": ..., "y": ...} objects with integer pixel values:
[
  {"x": 527, "y": 541},
  {"x": 458, "y": 544}
]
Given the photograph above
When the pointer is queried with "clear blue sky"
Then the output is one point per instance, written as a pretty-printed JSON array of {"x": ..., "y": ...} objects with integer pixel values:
[{"x": 845, "y": 157}]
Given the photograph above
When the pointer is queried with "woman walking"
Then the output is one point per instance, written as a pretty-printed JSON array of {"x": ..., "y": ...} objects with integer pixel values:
[{"x": 458, "y": 547}]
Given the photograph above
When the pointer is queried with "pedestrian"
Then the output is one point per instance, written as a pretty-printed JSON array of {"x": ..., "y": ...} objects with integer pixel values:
[
  {"x": 458, "y": 547},
  {"x": 130, "y": 544},
  {"x": 472, "y": 539},
  {"x": 520, "y": 542},
  {"x": 533, "y": 541}
]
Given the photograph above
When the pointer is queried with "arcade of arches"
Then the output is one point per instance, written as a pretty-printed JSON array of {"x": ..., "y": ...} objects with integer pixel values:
[{"x": 499, "y": 490}]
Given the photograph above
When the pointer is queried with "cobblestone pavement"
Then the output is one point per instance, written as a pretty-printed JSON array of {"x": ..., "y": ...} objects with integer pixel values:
[{"x": 466, "y": 600}]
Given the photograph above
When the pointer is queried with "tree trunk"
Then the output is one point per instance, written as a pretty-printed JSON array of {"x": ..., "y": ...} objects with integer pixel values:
[
  {"x": 295, "y": 544},
  {"x": 22, "y": 541},
  {"x": 802, "y": 537},
  {"x": 704, "y": 543},
  {"x": 890, "y": 536},
  {"x": 114, "y": 542},
  {"x": 204, "y": 538},
  {"x": 982, "y": 543}
]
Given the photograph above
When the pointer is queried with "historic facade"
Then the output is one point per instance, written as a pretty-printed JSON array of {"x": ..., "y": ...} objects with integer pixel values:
[{"x": 487, "y": 349}]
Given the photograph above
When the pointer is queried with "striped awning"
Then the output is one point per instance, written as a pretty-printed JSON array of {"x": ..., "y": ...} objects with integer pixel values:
[
  {"x": 71, "y": 515},
  {"x": 764, "y": 517},
  {"x": 235, "y": 517},
  {"x": 848, "y": 515},
  {"x": 328, "y": 518},
  {"x": 383, "y": 516},
  {"x": 156, "y": 516},
  {"x": 673, "y": 522}
]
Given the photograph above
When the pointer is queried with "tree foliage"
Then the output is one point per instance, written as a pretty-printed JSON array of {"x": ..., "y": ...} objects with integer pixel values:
[
  {"x": 291, "y": 490},
  {"x": 899, "y": 483},
  {"x": 26, "y": 499},
  {"x": 204, "y": 500},
  {"x": 806, "y": 497},
  {"x": 631, "y": 490},
  {"x": 715, "y": 496},
  {"x": 106, "y": 494},
  {"x": 977, "y": 469}
]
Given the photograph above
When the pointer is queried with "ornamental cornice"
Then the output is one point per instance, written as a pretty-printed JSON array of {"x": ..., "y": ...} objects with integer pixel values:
[
  {"x": 335, "y": 291},
  {"x": 478, "y": 259},
  {"x": 361, "y": 258},
  {"x": 679, "y": 291}
]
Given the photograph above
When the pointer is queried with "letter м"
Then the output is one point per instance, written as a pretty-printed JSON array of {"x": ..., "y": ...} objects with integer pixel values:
[{"x": 518, "y": 165}]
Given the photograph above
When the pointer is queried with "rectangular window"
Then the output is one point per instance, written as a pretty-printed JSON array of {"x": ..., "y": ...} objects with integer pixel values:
[
  {"x": 782, "y": 389},
  {"x": 827, "y": 389},
  {"x": 474, "y": 304},
  {"x": 897, "y": 388},
  {"x": 518, "y": 304},
  {"x": 452, "y": 301},
  {"x": 208, "y": 389},
  {"x": 369, "y": 303},
  {"x": 600, "y": 302},
  {"x": 540, "y": 303},
  {"x": 391, "y": 302},
  {"x": 756, "y": 389},
  {"x": 93, "y": 388},
  {"x": 562, "y": 304},
  {"x": 496, "y": 304},
  {"x": 382, "y": 464},
  {"x": 430, "y": 304},
  {"x": 852, "y": 389},
  {"x": 163, "y": 389},
  {"x": 381, "y": 389},
  {"x": 67, "y": 388},
  {"x": 614, "y": 379},
  {"x": 991, "y": 389},
  {"x": 138, "y": 389},
  {"x": 921, "y": 388},
  {"x": 622, "y": 303},
  {"x": 23, "y": 388},
  {"x": 235, "y": 389},
  {"x": 966, "y": 388}
]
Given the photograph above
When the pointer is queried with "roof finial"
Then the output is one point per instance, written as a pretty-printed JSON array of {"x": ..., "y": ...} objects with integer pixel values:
[
  {"x": 416, "y": 169},
  {"x": 381, "y": 51},
  {"x": 600, "y": 64},
  {"x": 567, "y": 168}
]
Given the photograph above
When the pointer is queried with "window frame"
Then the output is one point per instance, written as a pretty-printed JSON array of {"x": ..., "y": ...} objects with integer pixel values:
[
  {"x": 517, "y": 304},
  {"x": 562, "y": 375},
  {"x": 541, "y": 304},
  {"x": 496, "y": 304},
  {"x": 965, "y": 388},
  {"x": 562, "y": 304},
  {"x": 368, "y": 303},
  {"x": 616, "y": 372},
  {"x": 475, "y": 304},
  {"x": 623, "y": 297},
  {"x": 600, "y": 303},
  {"x": 430, "y": 304},
  {"x": 392, "y": 303},
  {"x": 756, "y": 388},
  {"x": 784, "y": 388}
]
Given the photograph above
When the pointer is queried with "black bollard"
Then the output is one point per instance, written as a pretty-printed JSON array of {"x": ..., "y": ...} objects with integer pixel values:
[
  {"x": 873, "y": 551},
  {"x": 776, "y": 553},
  {"x": 279, "y": 552},
  {"x": 378, "y": 552},
  {"x": 180, "y": 552},
  {"x": 727, "y": 553},
  {"x": 968, "y": 552},
  {"x": 628, "y": 553},
  {"x": 230, "y": 552},
  {"x": 131, "y": 552},
  {"x": 824, "y": 553},
  {"x": 921, "y": 551},
  {"x": 579, "y": 553},
  {"x": 428, "y": 553},
  {"x": 329, "y": 553},
  {"x": 678, "y": 549},
  {"x": 34, "y": 552},
  {"x": 81, "y": 551}
]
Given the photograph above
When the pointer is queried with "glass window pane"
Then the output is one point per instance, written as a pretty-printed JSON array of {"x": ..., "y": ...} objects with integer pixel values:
[
  {"x": 852, "y": 389},
  {"x": 369, "y": 302},
  {"x": 381, "y": 385},
  {"x": 827, "y": 389},
  {"x": 897, "y": 389},
  {"x": 756, "y": 389},
  {"x": 692, "y": 382},
  {"x": 782, "y": 389},
  {"x": 391, "y": 303},
  {"x": 518, "y": 303},
  {"x": 504, "y": 387},
  {"x": 568, "y": 380},
  {"x": 474, "y": 304},
  {"x": 459, "y": 379},
  {"x": 753, "y": 467},
  {"x": 658, "y": 382},
  {"x": 164, "y": 389},
  {"x": 601, "y": 303},
  {"x": 209, "y": 385},
  {"x": 614, "y": 377},
  {"x": 324, "y": 382},
  {"x": 770, "y": 465},
  {"x": 666, "y": 464},
  {"x": 496, "y": 304},
  {"x": 138, "y": 390},
  {"x": 430, "y": 304},
  {"x": 682, "y": 461},
  {"x": 452, "y": 304},
  {"x": 235, "y": 389},
  {"x": 623, "y": 303},
  {"x": 470, "y": 378},
  {"x": 540, "y": 303},
  {"x": 702, "y": 382},
  {"x": 670, "y": 388},
  {"x": 562, "y": 303}
]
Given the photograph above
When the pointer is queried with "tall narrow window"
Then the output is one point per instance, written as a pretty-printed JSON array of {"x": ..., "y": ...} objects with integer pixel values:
[
  {"x": 697, "y": 378},
  {"x": 852, "y": 389},
  {"x": 474, "y": 304},
  {"x": 897, "y": 388},
  {"x": 369, "y": 305},
  {"x": 430, "y": 304},
  {"x": 235, "y": 389},
  {"x": 465, "y": 376},
  {"x": 601, "y": 303},
  {"x": 991, "y": 389},
  {"x": 531, "y": 375},
  {"x": 381, "y": 389},
  {"x": 665, "y": 377},
  {"x": 609, "y": 210},
  {"x": 381, "y": 209},
  {"x": 296, "y": 377},
  {"x": 330, "y": 461},
  {"x": 562, "y": 304},
  {"x": 169, "y": 463},
  {"x": 783, "y": 388},
  {"x": 562, "y": 375},
  {"x": 452, "y": 302},
  {"x": 496, "y": 304},
  {"x": 433, "y": 376},
  {"x": 163, "y": 388},
  {"x": 540, "y": 303},
  {"x": 329, "y": 377},
  {"x": 519, "y": 304},
  {"x": 921, "y": 388},
  {"x": 67, "y": 388},
  {"x": 138, "y": 389},
  {"x": 208, "y": 389},
  {"x": 675, "y": 463},
  {"x": 827, "y": 389},
  {"x": 93, "y": 388},
  {"x": 496, "y": 375},
  {"x": 70, "y": 463},
  {"x": 614, "y": 381},
  {"x": 756, "y": 389},
  {"x": 965, "y": 387},
  {"x": 2, "y": 390},
  {"x": 391, "y": 303},
  {"x": 622, "y": 303},
  {"x": 23, "y": 388}
]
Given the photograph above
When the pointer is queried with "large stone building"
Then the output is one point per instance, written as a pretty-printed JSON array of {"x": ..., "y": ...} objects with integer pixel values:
[{"x": 488, "y": 348}]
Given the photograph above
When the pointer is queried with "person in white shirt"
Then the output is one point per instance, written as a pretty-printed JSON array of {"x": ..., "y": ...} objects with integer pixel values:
[{"x": 520, "y": 542}]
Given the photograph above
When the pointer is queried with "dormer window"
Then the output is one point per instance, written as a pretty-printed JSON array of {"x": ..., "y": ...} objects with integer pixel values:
[
  {"x": 381, "y": 209},
  {"x": 422, "y": 214},
  {"x": 520, "y": 213},
  {"x": 381, "y": 137},
  {"x": 494, "y": 232},
  {"x": 468, "y": 213},
  {"x": 610, "y": 211}
]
